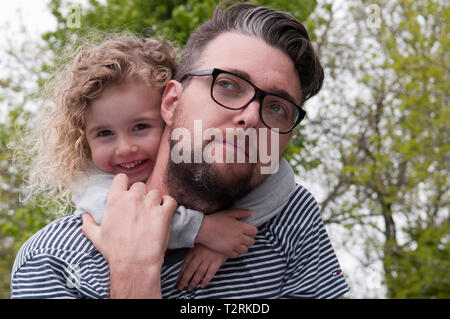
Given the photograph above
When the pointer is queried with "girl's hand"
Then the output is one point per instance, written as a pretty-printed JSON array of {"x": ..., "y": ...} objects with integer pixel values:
[
  {"x": 200, "y": 263},
  {"x": 224, "y": 233}
]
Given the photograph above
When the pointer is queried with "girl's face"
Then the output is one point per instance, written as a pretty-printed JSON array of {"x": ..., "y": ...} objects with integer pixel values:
[{"x": 123, "y": 128}]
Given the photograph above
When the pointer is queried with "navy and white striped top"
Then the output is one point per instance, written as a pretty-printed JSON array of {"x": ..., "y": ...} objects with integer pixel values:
[{"x": 292, "y": 258}]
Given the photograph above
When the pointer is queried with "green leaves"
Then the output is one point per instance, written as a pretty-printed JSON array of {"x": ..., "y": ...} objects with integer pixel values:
[
  {"x": 420, "y": 267},
  {"x": 382, "y": 129},
  {"x": 299, "y": 152}
]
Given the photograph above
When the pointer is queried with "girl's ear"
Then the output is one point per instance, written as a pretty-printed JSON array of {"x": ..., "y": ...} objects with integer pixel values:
[{"x": 169, "y": 101}]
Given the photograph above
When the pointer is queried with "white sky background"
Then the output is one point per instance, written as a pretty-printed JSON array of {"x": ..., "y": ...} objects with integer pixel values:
[
  {"x": 37, "y": 19},
  {"x": 34, "y": 14}
]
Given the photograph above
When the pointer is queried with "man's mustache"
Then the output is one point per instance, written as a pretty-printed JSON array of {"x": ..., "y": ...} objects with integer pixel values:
[{"x": 236, "y": 145}]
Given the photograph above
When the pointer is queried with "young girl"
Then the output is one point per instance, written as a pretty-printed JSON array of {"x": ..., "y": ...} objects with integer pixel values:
[{"x": 107, "y": 121}]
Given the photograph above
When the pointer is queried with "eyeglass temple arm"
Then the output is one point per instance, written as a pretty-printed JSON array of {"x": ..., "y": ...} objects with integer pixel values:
[
  {"x": 202, "y": 72},
  {"x": 197, "y": 73}
]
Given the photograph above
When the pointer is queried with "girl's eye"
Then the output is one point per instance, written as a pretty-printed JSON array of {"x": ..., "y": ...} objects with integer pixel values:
[
  {"x": 140, "y": 127},
  {"x": 104, "y": 133}
]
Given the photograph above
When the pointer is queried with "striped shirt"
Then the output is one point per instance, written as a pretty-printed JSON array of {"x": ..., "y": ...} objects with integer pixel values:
[{"x": 292, "y": 258}]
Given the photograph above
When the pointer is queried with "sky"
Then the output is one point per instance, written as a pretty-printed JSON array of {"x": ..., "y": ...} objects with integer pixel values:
[
  {"x": 36, "y": 17},
  {"x": 14, "y": 15},
  {"x": 33, "y": 13}
]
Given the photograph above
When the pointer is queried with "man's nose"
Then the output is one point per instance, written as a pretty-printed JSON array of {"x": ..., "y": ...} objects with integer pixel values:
[
  {"x": 249, "y": 116},
  {"x": 125, "y": 146}
]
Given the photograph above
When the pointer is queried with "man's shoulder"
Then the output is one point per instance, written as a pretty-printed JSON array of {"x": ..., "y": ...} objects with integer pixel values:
[
  {"x": 300, "y": 207},
  {"x": 62, "y": 238},
  {"x": 299, "y": 220},
  {"x": 60, "y": 262}
]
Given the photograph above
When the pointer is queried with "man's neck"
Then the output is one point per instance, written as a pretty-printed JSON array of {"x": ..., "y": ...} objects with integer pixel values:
[{"x": 156, "y": 179}]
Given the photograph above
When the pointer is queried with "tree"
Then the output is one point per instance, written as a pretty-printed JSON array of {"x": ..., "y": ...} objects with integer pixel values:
[
  {"x": 385, "y": 151},
  {"x": 18, "y": 85}
]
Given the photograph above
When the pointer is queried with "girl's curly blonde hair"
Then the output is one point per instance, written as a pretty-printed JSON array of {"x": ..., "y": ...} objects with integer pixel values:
[{"x": 57, "y": 149}]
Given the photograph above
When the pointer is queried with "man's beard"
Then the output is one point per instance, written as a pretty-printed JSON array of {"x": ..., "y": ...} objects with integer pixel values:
[{"x": 207, "y": 187}]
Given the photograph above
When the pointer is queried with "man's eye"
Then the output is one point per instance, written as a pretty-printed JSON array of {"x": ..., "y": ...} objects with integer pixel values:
[
  {"x": 140, "y": 127},
  {"x": 226, "y": 85},
  {"x": 277, "y": 109},
  {"x": 104, "y": 133}
]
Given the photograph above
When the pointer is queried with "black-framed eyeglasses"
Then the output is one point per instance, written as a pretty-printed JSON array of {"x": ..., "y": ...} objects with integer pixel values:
[{"x": 233, "y": 92}]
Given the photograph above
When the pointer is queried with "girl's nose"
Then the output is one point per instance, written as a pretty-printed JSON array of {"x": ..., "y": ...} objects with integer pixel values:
[{"x": 125, "y": 147}]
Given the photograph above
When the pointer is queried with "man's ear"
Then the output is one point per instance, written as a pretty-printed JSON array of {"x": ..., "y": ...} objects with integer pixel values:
[{"x": 170, "y": 101}]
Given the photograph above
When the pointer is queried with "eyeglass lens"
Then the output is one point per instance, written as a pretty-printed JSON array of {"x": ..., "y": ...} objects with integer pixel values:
[{"x": 234, "y": 92}]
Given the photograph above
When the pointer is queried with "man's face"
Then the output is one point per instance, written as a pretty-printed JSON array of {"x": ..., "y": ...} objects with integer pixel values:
[{"x": 266, "y": 67}]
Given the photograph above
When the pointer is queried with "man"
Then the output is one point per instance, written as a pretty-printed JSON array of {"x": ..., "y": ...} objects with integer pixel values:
[{"x": 249, "y": 67}]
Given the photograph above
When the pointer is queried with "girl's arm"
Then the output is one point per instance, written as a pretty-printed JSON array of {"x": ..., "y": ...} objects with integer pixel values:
[{"x": 185, "y": 226}]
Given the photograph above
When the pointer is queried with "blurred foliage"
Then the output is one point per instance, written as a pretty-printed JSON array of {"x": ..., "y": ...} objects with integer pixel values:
[
  {"x": 417, "y": 49},
  {"x": 419, "y": 268},
  {"x": 385, "y": 149},
  {"x": 171, "y": 19},
  {"x": 18, "y": 221}
]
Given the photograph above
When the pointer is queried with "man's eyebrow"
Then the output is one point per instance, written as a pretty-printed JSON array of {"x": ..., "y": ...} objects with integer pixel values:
[
  {"x": 283, "y": 94},
  {"x": 272, "y": 89},
  {"x": 241, "y": 73}
]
